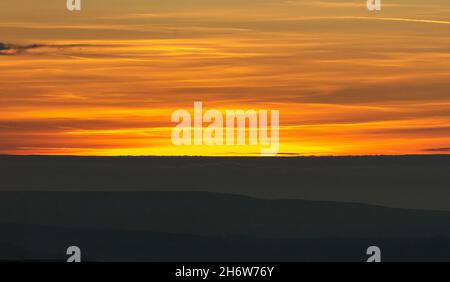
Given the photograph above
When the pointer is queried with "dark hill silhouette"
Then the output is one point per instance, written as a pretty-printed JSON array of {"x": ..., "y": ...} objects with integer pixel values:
[
  {"x": 47, "y": 243},
  {"x": 417, "y": 182},
  {"x": 195, "y": 226},
  {"x": 239, "y": 209},
  {"x": 218, "y": 215}
]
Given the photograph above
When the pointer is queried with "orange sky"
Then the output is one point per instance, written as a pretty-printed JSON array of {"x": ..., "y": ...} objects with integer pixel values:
[{"x": 104, "y": 81}]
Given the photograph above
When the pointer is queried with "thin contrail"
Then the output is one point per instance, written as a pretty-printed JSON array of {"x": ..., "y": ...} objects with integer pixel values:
[{"x": 398, "y": 20}]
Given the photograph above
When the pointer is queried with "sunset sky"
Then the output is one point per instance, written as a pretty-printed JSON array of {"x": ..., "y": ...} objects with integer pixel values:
[{"x": 104, "y": 81}]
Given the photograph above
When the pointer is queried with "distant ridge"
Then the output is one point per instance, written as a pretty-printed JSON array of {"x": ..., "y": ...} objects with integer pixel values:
[
  {"x": 413, "y": 182},
  {"x": 215, "y": 214}
]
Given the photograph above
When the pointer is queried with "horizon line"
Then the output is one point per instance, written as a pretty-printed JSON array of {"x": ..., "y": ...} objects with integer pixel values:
[{"x": 225, "y": 156}]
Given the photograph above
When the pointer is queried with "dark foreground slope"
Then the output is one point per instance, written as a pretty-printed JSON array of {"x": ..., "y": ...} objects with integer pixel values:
[{"x": 168, "y": 226}]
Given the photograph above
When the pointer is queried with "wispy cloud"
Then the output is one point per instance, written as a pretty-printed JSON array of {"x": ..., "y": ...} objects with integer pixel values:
[
  {"x": 436, "y": 150},
  {"x": 7, "y": 49},
  {"x": 430, "y": 21},
  {"x": 13, "y": 49}
]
